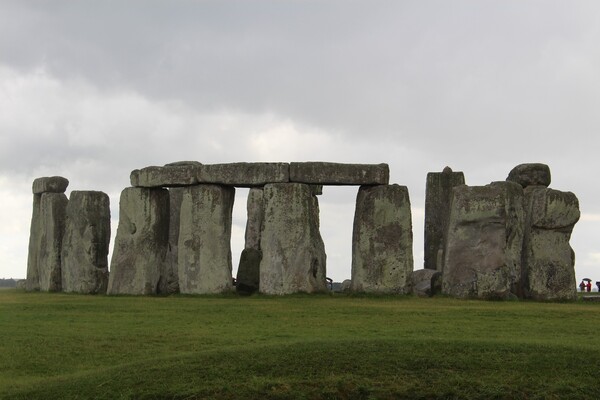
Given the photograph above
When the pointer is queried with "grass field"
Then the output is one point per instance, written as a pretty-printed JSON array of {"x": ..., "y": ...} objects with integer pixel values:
[{"x": 307, "y": 347}]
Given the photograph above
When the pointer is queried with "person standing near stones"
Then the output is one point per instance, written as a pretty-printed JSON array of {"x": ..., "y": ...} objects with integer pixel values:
[
  {"x": 589, "y": 286},
  {"x": 582, "y": 286}
]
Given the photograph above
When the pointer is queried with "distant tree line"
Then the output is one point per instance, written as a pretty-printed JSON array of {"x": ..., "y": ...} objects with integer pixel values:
[{"x": 4, "y": 283}]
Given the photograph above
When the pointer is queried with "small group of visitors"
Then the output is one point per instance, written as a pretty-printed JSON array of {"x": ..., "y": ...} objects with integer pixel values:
[{"x": 586, "y": 285}]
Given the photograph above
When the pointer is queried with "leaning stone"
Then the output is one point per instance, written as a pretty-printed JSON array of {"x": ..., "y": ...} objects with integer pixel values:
[
  {"x": 169, "y": 275},
  {"x": 256, "y": 213},
  {"x": 325, "y": 173},
  {"x": 484, "y": 245},
  {"x": 167, "y": 176},
  {"x": 530, "y": 175},
  {"x": 382, "y": 258},
  {"x": 85, "y": 244},
  {"x": 33, "y": 255},
  {"x": 438, "y": 194},
  {"x": 248, "y": 275},
  {"x": 141, "y": 242},
  {"x": 549, "y": 260},
  {"x": 52, "y": 229},
  {"x": 52, "y": 184},
  {"x": 421, "y": 282},
  {"x": 293, "y": 250},
  {"x": 204, "y": 239},
  {"x": 244, "y": 174}
]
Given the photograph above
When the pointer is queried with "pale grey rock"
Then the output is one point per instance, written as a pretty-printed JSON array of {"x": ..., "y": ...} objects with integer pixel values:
[
  {"x": 169, "y": 275},
  {"x": 438, "y": 195},
  {"x": 382, "y": 258},
  {"x": 533, "y": 174},
  {"x": 326, "y": 173},
  {"x": 294, "y": 257},
  {"x": 248, "y": 274},
  {"x": 346, "y": 285},
  {"x": 141, "y": 242},
  {"x": 168, "y": 176},
  {"x": 256, "y": 212},
  {"x": 484, "y": 242},
  {"x": 183, "y": 163},
  {"x": 21, "y": 284},
  {"x": 204, "y": 239},
  {"x": 86, "y": 243},
  {"x": 52, "y": 229},
  {"x": 52, "y": 184},
  {"x": 549, "y": 260},
  {"x": 421, "y": 282},
  {"x": 244, "y": 174},
  {"x": 33, "y": 255}
]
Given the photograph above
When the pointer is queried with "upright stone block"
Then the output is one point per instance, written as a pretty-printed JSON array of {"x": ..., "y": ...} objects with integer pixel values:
[
  {"x": 293, "y": 250},
  {"x": 169, "y": 275},
  {"x": 205, "y": 239},
  {"x": 32, "y": 282},
  {"x": 549, "y": 260},
  {"x": 326, "y": 173},
  {"x": 141, "y": 242},
  {"x": 484, "y": 243},
  {"x": 52, "y": 229},
  {"x": 255, "y": 208},
  {"x": 438, "y": 195},
  {"x": 86, "y": 242},
  {"x": 248, "y": 274},
  {"x": 382, "y": 258}
]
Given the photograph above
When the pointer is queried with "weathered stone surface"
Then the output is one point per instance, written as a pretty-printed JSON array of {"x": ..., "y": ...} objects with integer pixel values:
[
  {"x": 438, "y": 195},
  {"x": 204, "y": 239},
  {"x": 173, "y": 175},
  {"x": 346, "y": 285},
  {"x": 421, "y": 282},
  {"x": 484, "y": 243},
  {"x": 326, "y": 173},
  {"x": 21, "y": 284},
  {"x": 549, "y": 260},
  {"x": 293, "y": 250},
  {"x": 52, "y": 184},
  {"x": 436, "y": 283},
  {"x": 244, "y": 174},
  {"x": 530, "y": 175},
  {"x": 141, "y": 242},
  {"x": 248, "y": 274},
  {"x": 86, "y": 242},
  {"x": 255, "y": 208},
  {"x": 33, "y": 269},
  {"x": 52, "y": 227},
  {"x": 169, "y": 275},
  {"x": 382, "y": 258}
]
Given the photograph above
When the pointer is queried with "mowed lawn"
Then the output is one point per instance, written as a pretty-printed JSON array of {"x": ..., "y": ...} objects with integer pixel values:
[{"x": 306, "y": 347}]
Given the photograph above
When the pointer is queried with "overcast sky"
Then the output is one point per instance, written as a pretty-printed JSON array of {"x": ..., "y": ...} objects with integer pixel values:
[{"x": 91, "y": 90}]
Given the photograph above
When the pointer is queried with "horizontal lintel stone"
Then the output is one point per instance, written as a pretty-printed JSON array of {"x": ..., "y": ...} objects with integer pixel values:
[
  {"x": 327, "y": 173},
  {"x": 51, "y": 184},
  {"x": 173, "y": 175},
  {"x": 244, "y": 174}
]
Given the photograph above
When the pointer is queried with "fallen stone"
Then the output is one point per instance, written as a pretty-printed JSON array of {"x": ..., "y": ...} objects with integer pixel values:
[
  {"x": 86, "y": 243},
  {"x": 205, "y": 239},
  {"x": 256, "y": 213},
  {"x": 173, "y": 175},
  {"x": 248, "y": 275},
  {"x": 52, "y": 229},
  {"x": 325, "y": 173},
  {"x": 421, "y": 282},
  {"x": 52, "y": 184},
  {"x": 484, "y": 242},
  {"x": 244, "y": 174},
  {"x": 382, "y": 258},
  {"x": 438, "y": 195},
  {"x": 141, "y": 242},
  {"x": 293, "y": 250},
  {"x": 549, "y": 260},
  {"x": 530, "y": 175}
]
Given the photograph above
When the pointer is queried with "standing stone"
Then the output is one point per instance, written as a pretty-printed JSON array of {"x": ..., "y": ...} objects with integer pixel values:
[
  {"x": 533, "y": 174},
  {"x": 484, "y": 243},
  {"x": 141, "y": 243},
  {"x": 256, "y": 212},
  {"x": 382, "y": 258},
  {"x": 205, "y": 239},
  {"x": 52, "y": 229},
  {"x": 86, "y": 242},
  {"x": 33, "y": 269},
  {"x": 549, "y": 260},
  {"x": 293, "y": 250},
  {"x": 248, "y": 275},
  {"x": 438, "y": 194},
  {"x": 169, "y": 275},
  {"x": 421, "y": 282}
]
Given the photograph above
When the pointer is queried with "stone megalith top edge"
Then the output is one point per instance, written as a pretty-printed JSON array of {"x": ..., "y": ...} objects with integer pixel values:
[
  {"x": 51, "y": 184},
  {"x": 166, "y": 176},
  {"x": 530, "y": 174},
  {"x": 244, "y": 174},
  {"x": 329, "y": 173}
]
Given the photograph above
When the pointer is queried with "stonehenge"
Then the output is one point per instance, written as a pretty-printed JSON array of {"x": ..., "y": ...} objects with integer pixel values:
[{"x": 508, "y": 239}]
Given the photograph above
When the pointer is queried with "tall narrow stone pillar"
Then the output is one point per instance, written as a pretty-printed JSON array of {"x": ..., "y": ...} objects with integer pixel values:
[
  {"x": 484, "y": 245},
  {"x": 438, "y": 194},
  {"x": 169, "y": 275},
  {"x": 86, "y": 243},
  {"x": 382, "y": 257},
  {"x": 141, "y": 242},
  {"x": 32, "y": 282},
  {"x": 205, "y": 239},
  {"x": 293, "y": 251},
  {"x": 248, "y": 273}
]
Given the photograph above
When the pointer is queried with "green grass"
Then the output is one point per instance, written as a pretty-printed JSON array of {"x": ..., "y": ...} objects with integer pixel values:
[{"x": 305, "y": 347}]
